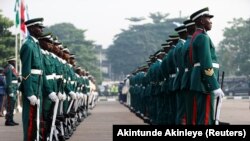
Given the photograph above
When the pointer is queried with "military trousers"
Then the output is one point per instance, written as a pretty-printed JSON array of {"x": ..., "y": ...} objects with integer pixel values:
[
  {"x": 203, "y": 108},
  {"x": 10, "y": 106}
]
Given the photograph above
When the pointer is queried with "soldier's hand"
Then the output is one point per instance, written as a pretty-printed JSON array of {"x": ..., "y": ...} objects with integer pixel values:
[
  {"x": 60, "y": 96},
  {"x": 11, "y": 95},
  {"x": 64, "y": 96},
  {"x": 33, "y": 100},
  {"x": 53, "y": 96},
  {"x": 218, "y": 93},
  {"x": 72, "y": 95},
  {"x": 81, "y": 96}
]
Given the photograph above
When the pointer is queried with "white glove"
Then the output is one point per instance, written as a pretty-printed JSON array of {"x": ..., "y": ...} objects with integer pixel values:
[
  {"x": 78, "y": 95},
  {"x": 11, "y": 95},
  {"x": 81, "y": 95},
  {"x": 60, "y": 96},
  {"x": 64, "y": 96},
  {"x": 53, "y": 96},
  {"x": 73, "y": 95},
  {"x": 218, "y": 93},
  {"x": 33, "y": 100}
]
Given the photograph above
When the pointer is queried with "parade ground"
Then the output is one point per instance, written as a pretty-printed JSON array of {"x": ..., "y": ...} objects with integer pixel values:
[{"x": 98, "y": 125}]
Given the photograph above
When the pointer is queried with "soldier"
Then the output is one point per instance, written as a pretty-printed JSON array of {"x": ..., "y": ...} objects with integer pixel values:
[
  {"x": 32, "y": 70},
  {"x": 170, "y": 69},
  {"x": 49, "y": 87},
  {"x": 185, "y": 82},
  {"x": 165, "y": 87},
  {"x": 11, "y": 90},
  {"x": 178, "y": 60},
  {"x": 159, "y": 82},
  {"x": 205, "y": 68}
]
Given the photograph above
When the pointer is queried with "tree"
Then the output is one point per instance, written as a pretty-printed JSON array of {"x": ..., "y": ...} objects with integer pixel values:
[
  {"x": 7, "y": 40},
  {"x": 234, "y": 51},
  {"x": 158, "y": 17},
  {"x": 75, "y": 40},
  {"x": 132, "y": 47}
]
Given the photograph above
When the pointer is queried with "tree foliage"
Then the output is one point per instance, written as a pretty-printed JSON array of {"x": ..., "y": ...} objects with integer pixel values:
[
  {"x": 132, "y": 47},
  {"x": 75, "y": 40},
  {"x": 7, "y": 40},
  {"x": 234, "y": 49}
]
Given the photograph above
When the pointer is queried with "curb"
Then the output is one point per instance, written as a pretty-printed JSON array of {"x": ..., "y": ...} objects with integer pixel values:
[
  {"x": 237, "y": 97},
  {"x": 107, "y": 99}
]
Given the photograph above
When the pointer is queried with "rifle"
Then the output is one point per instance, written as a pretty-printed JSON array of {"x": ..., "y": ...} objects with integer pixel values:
[
  {"x": 38, "y": 109},
  {"x": 54, "y": 120}
]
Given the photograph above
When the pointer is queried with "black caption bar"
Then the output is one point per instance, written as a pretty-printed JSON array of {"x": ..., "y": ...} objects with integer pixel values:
[{"x": 163, "y": 132}]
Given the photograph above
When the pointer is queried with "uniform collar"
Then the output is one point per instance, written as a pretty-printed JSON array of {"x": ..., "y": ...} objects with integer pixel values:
[
  {"x": 159, "y": 60},
  {"x": 34, "y": 39},
  {"x": 182, "y": 40},
  {"x": 43, "y": 51},
  {"x": 201, "y": 29}
]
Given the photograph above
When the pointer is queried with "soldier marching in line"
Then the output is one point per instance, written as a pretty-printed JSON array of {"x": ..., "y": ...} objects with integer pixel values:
[
  {"x": 205, "y": 69},
  {"x": 185, "y": 82},
  {"x": 187, "y": 77},
  {"x": 178, "y": 60},
  {"x": 55, "y": 91}
]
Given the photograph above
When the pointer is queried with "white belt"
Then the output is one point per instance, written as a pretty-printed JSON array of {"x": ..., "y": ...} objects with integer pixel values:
[
  {"x": 54, "y": 75},
  {"x": 186, "y": 69},
  {"x": 172, "y": 75},
  {"x": 49, "y": 77},
  {"x": 14, "y": 81},
  {"x": 58, "y": 76},
  {"x": 215, "y": 65},
  {"x": 36, "y": 71}
]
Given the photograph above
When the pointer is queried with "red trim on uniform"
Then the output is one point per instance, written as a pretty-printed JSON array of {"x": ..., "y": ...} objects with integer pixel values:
[
  {"x": 207, "y": 114},
  {"x": 30, "y": 124},
  {"x": 43, "y": 128},
  {"x": 197, "y": 32},
  {"x": 184, "y": 119},
  {"x": 194, "y": 117}
]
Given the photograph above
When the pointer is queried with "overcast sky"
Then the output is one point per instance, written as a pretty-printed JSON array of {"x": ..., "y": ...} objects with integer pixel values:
[{"x": 104, "y": 18}]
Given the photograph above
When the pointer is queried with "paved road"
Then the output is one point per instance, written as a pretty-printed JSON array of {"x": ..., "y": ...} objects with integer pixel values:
[{"x": 98, "y": 126}]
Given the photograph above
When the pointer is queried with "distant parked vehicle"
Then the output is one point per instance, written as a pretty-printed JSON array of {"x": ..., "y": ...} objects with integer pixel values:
[{"x": 239, "y": 89}]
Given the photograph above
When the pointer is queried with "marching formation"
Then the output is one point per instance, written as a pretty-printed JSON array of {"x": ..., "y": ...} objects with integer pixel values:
[
  {"x": 179, "y": 84},
  {"x": 56, "y": 94}
]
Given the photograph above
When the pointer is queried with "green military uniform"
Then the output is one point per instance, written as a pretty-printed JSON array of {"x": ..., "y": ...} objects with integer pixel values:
[
  {"x": 178, "y": 60},
  {"x": 180, "y": 95},
  {"x": 171, "y": 69},
  {"x": 32, "y": 66},
  {"x": 165, "y": 91},
  {"x": 160, "y": 118},
  {"x": 11, "y": 91},
  {"x": 204, "y": 76},
  {"x": 48, "y": 88},
  {"x": 185, "y": 82}
]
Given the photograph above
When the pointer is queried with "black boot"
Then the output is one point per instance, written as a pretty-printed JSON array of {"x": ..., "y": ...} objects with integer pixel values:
[
  {"x": 15, "y": 123},
  {"x": 9, "y": 123}
]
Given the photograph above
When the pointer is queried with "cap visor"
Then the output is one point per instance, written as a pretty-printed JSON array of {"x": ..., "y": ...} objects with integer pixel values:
[{"x": 208, "y": 15}]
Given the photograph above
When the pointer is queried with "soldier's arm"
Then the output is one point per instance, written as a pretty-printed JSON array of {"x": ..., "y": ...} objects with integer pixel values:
[
  {"x": 26, "y": 58},
  {"x": 206, "y": 63}
]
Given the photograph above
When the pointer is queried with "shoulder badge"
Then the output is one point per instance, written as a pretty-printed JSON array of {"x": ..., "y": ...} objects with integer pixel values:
[{"x": 209, "y": 72}]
